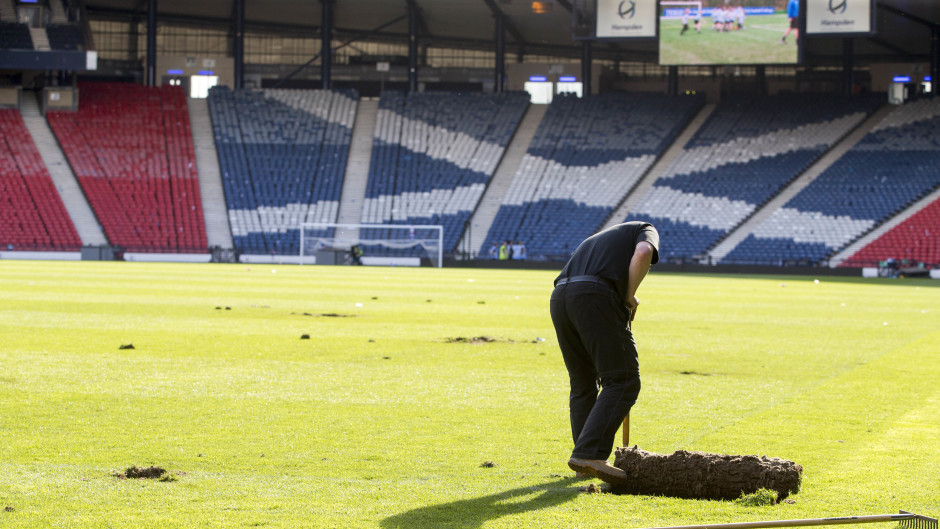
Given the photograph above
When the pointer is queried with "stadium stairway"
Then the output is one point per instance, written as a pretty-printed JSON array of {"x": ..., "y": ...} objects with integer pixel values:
[
  {"x": 357, "y": 167},
  {"x": 851, "y": 250},
  {"x": 724, "y": 247},
  {"x": 58, "y": 12},
  {"x": 61, "y": 172},
  {"x": 218, "y": 231},
  {"x": 40, "y": 39},
  {"x": 482, "y": 220},
  {"x": 633, "y": 197}
]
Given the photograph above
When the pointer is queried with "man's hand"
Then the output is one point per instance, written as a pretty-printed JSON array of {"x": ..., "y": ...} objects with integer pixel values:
[{"x": 632, "y": 305}]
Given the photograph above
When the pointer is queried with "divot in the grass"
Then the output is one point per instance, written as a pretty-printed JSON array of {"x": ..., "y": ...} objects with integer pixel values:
[
  {"x": 473, "y": 340},
  {"x": 151, "y": 472},
  {"x": 326, "y": 315}
]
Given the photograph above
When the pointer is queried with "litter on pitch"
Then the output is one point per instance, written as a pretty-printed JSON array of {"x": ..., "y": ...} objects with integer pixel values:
[{"x": 906, "y": 520}]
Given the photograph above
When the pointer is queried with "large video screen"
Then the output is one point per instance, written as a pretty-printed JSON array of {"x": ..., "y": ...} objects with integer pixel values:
[{"x": 751, "y": 32}]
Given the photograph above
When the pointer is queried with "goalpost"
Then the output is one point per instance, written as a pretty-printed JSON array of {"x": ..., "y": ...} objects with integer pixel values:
[
  {"x": 397, "y": 241},
  {"x": 676, "y": 8}
]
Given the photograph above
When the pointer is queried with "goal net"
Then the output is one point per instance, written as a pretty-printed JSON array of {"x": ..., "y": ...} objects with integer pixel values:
[
  {"x": 380, "y": 243},
  {"x": 676, "y": 9}
]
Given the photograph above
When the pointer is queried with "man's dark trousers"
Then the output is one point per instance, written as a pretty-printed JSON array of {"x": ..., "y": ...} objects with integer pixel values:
[{"x": 593, "y": 329}]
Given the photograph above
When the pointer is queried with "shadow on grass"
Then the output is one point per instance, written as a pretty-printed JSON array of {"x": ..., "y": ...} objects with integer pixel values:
[{"x": 475, "y": 512}]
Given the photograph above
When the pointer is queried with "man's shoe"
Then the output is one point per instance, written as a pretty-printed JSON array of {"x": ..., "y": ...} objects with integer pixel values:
[{"x": 600, "y": 469}]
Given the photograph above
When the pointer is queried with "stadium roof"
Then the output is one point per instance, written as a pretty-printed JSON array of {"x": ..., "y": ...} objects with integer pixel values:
[{"x": 532, "y": 26}]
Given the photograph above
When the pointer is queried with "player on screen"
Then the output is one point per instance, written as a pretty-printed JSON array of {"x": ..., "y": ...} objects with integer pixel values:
[
  {"x": 685, "y": 22},
  {"x": 793, "y": 13},
  {"x": 739, "y": 16},
  {"x": 719, "y": 15}
]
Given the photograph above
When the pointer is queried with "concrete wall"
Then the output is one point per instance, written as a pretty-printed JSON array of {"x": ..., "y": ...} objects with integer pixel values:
[
  {"x": 517, "y": 74},
  {"x": 59, "y": 98},
  {"x": 221, "y": 66},
  {"x": 10, "y": 96},
  {"x": 881, "y": 74}
]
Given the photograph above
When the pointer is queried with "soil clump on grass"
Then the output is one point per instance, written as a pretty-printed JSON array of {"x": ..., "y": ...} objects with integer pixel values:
[
  {"x": 327, "y": 315},
  {"x": 699, "y": 475},
  {"x": 126, "y": 346},
  {"x": 152, "y": 472},
  {"x": 473, "y": 340}
]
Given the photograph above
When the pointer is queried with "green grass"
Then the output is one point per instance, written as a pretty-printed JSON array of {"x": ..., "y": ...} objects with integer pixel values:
[
  {"x": 377, "y": 421},
  {"x": 758, "y": 43}
]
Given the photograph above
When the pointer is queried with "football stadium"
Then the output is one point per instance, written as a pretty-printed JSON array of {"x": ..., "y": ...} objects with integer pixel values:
[{"x": 346, "y": 263}]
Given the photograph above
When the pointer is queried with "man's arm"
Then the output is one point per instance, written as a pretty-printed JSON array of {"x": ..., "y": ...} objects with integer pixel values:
[{"x": 639, "y": 266}]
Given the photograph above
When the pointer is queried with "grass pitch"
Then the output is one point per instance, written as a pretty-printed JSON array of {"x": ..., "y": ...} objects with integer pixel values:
[
  {"x": 378, "y": 421},
  {"x": 758, "y": 43}
]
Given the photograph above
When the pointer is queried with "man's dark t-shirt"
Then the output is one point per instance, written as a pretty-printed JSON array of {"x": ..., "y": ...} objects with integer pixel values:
[{"x": 607, "y": 254}]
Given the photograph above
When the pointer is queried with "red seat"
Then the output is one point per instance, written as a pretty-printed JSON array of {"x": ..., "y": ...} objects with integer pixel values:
[
  {"x": 29, "y": 196},
  {"x": 916, "y": 239},
  {"x": 131, "y": 147}
]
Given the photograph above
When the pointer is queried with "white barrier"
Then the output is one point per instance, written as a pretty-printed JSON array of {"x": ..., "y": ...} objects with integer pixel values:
[
  {"x": 42, "y": 256},
  {"x": 295, "y": 259},
  {"x": 167, "y": 257}
]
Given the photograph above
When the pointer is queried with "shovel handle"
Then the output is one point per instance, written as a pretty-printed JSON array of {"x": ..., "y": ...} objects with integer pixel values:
[{"x": 626, "y": 431}]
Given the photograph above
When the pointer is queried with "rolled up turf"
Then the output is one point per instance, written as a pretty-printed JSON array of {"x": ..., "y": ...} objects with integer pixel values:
[{"x": 700, "y": 475}]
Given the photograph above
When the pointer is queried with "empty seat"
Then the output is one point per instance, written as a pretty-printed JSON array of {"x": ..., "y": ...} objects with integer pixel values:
[
  {"x": 131, "y": 149},
  {"x": 32, "y": 215},
  {"x": 585, "y": 156},
  {"x": 891, "y": 167},
  {"x": 433, "y": 155}
]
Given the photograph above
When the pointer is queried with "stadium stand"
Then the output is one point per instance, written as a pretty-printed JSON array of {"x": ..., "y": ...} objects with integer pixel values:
[
  {"x": 585, "y": 156},
  {"x": 64, "y": 37},
  {"x": 32, "y": 216},
  {"x": 916, "y": 240},
  {"x": 891, "y": 167},
  {"x": 748, "y": 151},
  {"x": 433, "y": 155},
  {"x": 131, "y": 149},
  {"x": 15, "y": 36},
  {"x": 282, "y": 154}
]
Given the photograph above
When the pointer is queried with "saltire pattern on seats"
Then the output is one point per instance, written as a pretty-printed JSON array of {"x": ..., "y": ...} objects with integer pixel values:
[
  {"x": 32, "y": 216},
  {"x": 584, "y": 158},
  {"x": 916, "y": 240},
  {"x": 891, "y": 167},
  {"x": 433, "y": 155},
  {"x": 748, "y": 150},
  {"x": 282, "y": 155},
  {"x": 131, "y": 150}
]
